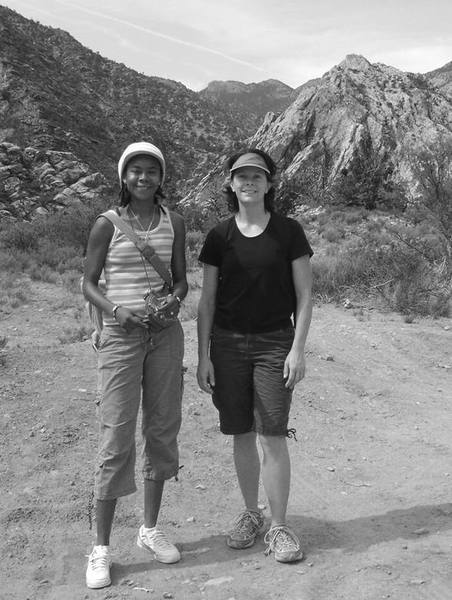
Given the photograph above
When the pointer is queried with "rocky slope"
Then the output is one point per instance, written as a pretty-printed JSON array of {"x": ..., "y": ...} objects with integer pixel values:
[
  {"x": 442, "y": 78},
  {"x": 33, "y": 181},
  {"x": 356, "y": 109},
  {"x": 66, "y": 113},
  {"x": 58, "y": 96}
]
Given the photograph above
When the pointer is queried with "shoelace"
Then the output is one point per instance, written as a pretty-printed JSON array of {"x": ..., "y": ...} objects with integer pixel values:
[
  {"x": 159, "y": 539},
  {"x": 99, "y": 561},
  {"x": 281, "y": 536},
  {"x": 247, "y": 520}
]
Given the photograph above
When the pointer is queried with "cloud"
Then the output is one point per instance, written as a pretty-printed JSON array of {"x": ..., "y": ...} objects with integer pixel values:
[{"x": 164, "y": 36}]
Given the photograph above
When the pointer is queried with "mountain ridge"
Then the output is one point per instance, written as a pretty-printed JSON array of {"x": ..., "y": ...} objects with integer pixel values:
[
  {"x": 356, "y": 110},
  {"x": 58, "y": 96}
]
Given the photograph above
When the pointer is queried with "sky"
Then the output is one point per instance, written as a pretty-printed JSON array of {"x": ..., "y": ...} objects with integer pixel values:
[{"x": 198, "y": 41}]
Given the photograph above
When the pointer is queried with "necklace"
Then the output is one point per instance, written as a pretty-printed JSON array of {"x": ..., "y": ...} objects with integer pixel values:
[{"x": 148, "y": 230}]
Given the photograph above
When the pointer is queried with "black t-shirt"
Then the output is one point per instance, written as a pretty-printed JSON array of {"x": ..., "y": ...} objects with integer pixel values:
[{"x": 255, "y": 287}]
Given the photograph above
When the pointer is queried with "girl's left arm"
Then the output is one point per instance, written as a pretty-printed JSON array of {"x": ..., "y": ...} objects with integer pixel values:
[
  {"x": 295, "y": 366},
  {"x": 178, "y": 260}
]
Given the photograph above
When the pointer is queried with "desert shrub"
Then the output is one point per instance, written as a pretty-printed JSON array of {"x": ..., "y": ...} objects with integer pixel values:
[
  {"x": 332, "y": 234},
  {"x": 413, "y": 282},
  {"x": 69, "y": 227},
  {"x": 14, "y": 290},
  {"x": 58, "y": 257},
  {"x": 71, "y": 280},
  {"x": 194, "y": 242},
  {"x": 198, "y": 218},
  {"x": 19, "y": 236},
  {"x": 70, "y": 335},
  {"x": 43, "y": 273},
  {"x": 335, "y": 275},
  {"x": 3, "y": 351},
  {"x": 355, "y": 216},
  {"x": 386, "y": 269},
  {"x": 15, "y": 261}
]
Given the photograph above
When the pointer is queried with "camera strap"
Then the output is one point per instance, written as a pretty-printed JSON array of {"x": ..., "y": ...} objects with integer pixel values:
[{"x": 145, "y": 249}]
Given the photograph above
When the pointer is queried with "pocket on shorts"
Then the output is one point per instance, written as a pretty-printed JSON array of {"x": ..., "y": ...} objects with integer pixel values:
[
  {"x": 102, "y": 340},
  {"x": 280, "y": 336}
]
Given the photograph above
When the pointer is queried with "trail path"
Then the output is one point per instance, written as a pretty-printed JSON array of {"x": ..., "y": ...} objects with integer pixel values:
[{"x": 372, "y": 469}]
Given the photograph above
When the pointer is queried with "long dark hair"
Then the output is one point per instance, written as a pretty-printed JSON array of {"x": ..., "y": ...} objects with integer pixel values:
[
  {"x": 231, "y": 198},
  {"x": 125, "y": 196}
]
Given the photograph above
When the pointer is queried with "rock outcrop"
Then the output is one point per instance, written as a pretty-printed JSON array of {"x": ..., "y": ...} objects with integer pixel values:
[
  {"x": 356, "y": 109},
  {"x": 34, "y": 181}
]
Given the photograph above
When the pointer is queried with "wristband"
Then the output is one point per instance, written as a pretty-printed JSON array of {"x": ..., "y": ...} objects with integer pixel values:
[{"x": 114, "y": 310}]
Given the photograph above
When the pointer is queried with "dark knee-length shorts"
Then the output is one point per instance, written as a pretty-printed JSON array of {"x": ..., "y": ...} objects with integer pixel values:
[{"x": 250, "y": 392}]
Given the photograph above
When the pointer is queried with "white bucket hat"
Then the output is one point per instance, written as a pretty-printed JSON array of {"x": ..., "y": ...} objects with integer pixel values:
[{"x": 140, "y": 148}]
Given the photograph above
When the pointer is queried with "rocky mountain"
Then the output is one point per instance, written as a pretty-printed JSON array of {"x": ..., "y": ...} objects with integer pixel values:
[
  {"x": 66, "y": 113},
  {"x": 251, "y": 100},
  {"x": 441, "y": 78},
  {"x": 64, "y": 108},
  {"x": 356, "y": 110}
]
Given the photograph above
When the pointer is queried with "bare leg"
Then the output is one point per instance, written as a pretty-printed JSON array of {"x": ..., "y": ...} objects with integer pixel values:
[
  {"x": 247, "y": 466},
  {"x": 105, "y": 510},
  {"x": 152, "y": 500},
  {"x": 276, "y": 475}
]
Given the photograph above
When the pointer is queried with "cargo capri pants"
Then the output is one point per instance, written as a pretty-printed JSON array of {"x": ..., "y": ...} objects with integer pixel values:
[{"x": 138, "y": 367}]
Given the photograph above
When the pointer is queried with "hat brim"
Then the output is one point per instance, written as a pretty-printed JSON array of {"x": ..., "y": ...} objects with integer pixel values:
[{"x": 249, "y": 165}]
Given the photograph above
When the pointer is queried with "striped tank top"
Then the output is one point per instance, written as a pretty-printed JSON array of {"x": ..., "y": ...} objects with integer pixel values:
[{"x": 128, "y": 275}]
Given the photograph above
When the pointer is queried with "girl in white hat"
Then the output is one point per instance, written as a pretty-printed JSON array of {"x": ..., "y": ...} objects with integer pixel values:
[{"x": 136, "y": 365}]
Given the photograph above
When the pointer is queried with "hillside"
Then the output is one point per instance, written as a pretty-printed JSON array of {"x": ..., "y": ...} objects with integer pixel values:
[
  {"x": 250, "y": 100},
  {"x": 66, "y": 114},
  {"x": 356, "y": 111},
  {"x": 441, "y": 78},
  {"x": 56, "y": 95}
]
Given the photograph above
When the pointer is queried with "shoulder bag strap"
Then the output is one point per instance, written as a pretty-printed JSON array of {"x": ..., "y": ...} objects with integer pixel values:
[{"x": 146, "y": 250}]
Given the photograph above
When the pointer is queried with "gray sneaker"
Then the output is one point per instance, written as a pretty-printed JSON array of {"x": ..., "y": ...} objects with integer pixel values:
[
  {"x": 284, "y": 543},
  {"x": 247, "y": 526}
]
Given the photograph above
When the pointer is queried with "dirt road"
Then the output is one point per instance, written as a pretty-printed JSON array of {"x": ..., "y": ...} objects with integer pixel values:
[{"x": 372, "y": 469}]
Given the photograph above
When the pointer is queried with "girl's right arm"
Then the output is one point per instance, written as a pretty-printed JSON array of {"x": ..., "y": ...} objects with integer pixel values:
[{"x": 206, "y": 312}]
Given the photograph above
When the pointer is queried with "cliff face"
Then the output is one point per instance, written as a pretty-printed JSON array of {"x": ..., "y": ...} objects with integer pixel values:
[{"x": 356, "y": 109}]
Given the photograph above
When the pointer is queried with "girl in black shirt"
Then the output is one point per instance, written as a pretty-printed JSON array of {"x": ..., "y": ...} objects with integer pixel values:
[{"x": 256, "y": 285}]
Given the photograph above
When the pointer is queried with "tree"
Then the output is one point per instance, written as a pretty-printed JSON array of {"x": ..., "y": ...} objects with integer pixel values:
[
  {"x": 429, "y": 215},
  {"x": 368, "y": 183},
  {"x": 307, "y": 187},
  {"x": 431, "y": 199}
]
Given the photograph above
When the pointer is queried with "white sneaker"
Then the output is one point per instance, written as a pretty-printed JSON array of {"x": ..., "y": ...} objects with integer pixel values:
[
  {"x": 155, "y": 541},
  {"x": 98, "y": 570}
]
